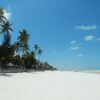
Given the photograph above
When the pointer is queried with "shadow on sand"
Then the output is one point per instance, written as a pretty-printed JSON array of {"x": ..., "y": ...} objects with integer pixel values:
[
  {"x": 9, "y": 73},
  {"x": 5, "y": 74}
]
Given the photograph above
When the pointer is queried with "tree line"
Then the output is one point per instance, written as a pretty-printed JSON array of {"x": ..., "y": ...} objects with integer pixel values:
[{"x": 18, "y": 55}]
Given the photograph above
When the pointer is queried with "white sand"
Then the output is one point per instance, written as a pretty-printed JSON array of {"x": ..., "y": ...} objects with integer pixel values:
[{"x": 50, "y": 86}]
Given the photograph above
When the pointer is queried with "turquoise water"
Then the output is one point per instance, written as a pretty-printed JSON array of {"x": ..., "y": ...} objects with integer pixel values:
[{"x": 93, "y": 68}]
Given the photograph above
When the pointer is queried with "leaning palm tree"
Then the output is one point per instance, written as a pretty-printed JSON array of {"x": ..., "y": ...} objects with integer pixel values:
[
  {"x": 23, "y": 40},
  {"x": 36, "y": 48},
  {"x": 6, "y": 29},
  {"x": 40, "y": 53},
  {"x": 2, "y": 17}
]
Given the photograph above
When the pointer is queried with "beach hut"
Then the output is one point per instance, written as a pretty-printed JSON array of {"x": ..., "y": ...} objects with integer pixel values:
[{"x": 10, "y": 64}]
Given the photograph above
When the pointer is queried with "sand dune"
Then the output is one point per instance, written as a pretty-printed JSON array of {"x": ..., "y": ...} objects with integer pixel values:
[{"x": 50, "y": 85}]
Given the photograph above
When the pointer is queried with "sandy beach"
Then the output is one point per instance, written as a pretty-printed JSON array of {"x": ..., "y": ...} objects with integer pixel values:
[{"x": 50, "y": 85}]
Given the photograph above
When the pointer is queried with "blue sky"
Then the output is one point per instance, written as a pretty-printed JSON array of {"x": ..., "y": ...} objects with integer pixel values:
[{"x": 68, "y": 31}]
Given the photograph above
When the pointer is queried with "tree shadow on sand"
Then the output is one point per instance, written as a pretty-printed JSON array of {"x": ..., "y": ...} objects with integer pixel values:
[{"x": 5, "y": 74}]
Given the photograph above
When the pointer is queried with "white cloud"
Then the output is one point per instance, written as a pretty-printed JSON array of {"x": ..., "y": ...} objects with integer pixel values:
[
  {"x": 89, "y": 38},
  {"x": 74, "y": 48},
  {"x": 73, "y": 42},
  {"x": 88, "y": 27},
  {"x": 7, "y": 14},
  {"x": 74, "y": 45},
  {"x": 80, "y": 55}
]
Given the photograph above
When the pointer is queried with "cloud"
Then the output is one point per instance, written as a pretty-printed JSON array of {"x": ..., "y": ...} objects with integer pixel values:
[
  {"x": 89, "y": 38},
  {"x": 80, "y": 55},
  {"x": 85, "y": 28},
  {"x": 73, "y": 42},
  {"x": 7, "y": 13},
  {"x": 74, "y": 48},
  {"x": 74, "y": 45}
]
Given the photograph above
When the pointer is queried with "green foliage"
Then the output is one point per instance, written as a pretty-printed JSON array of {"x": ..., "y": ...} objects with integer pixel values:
[
  {"x": 19, "y": 52},
  {"x": 29, "y": 59},
  {"x": 23, "y": 40},
  {"x": 17, "y": 60},
  {"x": 6, "y": 53},
  {"x": 6, "y": 28},
  {"x": 2, "y": 17}
]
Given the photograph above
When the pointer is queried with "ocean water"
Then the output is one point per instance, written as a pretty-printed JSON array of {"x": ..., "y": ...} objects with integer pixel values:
[{"x": 83, "y": 69}]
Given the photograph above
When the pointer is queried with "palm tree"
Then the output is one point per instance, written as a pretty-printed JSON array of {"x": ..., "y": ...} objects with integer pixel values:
[
  {"x": 16, "y": 47},
  {"x": 2, "y": 17},
  {"x": 36, "y": 48},
  {"x": 40, "y": 53},
  {"x": 6, "y": 28},
  {"x": 23, "y": 40}
]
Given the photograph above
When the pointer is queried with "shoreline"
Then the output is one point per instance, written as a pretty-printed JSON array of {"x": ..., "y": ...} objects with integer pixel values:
[
  {"x": 86, "y": 71},
  {"x": 95, "y": 72}
]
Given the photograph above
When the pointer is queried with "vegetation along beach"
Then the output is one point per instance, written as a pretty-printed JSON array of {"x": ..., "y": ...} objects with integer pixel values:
[{"x": 49, "y": 49}]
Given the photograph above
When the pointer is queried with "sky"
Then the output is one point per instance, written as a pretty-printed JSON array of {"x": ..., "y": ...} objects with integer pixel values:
[{"x": 68, "y": 31}]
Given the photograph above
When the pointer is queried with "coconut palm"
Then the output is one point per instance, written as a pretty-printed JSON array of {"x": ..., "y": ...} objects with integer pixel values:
[
  {"x": 23, "y": 40},
  {"x": 6, "y": 28},
  {"x": 40, "y": 53},
  {"x": 2, "y": 17},
  {"x": 36, "y": 48}
]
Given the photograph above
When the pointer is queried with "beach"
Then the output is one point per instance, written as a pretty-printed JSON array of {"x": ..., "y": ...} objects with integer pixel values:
[{"x": 50, "y": 85}]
